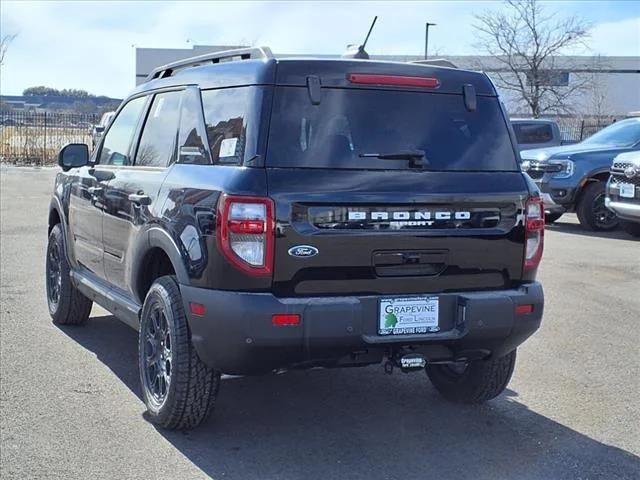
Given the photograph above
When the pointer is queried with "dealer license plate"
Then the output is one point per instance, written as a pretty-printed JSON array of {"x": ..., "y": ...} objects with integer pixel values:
[
  {"x": 627, "y": 190},
  {"x": 408, "y": 316}
]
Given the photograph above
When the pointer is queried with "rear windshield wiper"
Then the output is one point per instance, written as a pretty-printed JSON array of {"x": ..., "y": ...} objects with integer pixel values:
[{"x": 416, "y": 157}]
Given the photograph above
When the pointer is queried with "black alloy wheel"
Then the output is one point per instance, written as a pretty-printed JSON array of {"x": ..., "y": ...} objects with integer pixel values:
[
  {"x": 54, "y": 275},
  {"x": 591, "y": 210},
  {"x": 604, "y": 219},
  {"x": 158, "y": 357}
]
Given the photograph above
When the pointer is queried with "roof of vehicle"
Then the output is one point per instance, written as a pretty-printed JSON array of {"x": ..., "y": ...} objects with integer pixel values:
[
  {"x": 269, "y": 70},
  {"x": 533, "y": 120}
]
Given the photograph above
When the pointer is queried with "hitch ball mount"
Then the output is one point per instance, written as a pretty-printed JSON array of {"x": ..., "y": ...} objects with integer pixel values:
[{"x": 409, "y": 362}]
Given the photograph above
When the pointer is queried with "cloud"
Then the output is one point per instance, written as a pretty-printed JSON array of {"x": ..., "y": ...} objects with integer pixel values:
[
  {"x": 621, "y": 38},
  {"x": 88, "y": 45}
]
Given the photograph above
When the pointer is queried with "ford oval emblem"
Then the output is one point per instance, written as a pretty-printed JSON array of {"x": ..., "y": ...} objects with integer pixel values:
[
  {"x": 630, "y": 172},
  {"x": 303, "y": 251}
]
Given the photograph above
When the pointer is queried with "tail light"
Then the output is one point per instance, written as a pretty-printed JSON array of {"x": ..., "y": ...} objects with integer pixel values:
[
  {"x": 394, "y": 80},
  {"x": 534, "y": 233},
  {"x": 245, "y": 232}
]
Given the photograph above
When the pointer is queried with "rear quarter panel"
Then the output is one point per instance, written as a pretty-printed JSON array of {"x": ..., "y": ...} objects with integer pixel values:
[{"x": 188, "y": 217}]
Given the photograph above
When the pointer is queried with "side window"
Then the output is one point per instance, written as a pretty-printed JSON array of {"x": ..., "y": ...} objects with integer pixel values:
[
  {"x": 190, "y": 139},
  {"x": 115, "y": 148},
  {"x": 225, "y": 118},
  {"x": 158, "y": 140}
]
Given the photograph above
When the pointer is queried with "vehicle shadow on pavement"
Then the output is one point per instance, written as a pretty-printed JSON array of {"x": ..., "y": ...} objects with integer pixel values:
[
  {"x": 362, "y": 424},
  {"x": 577, "y": 229}
]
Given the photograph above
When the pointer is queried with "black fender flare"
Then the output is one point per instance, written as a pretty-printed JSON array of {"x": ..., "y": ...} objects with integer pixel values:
[
  {"x": 597, "y": 171},
  {"x": 55, "y": 206},
  {"x": 159, "y": 238},
  {"x": 586, "y": 180}
]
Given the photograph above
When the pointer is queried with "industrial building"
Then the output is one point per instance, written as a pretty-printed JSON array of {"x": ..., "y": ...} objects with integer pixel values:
[{"x": 610, "y": 86}]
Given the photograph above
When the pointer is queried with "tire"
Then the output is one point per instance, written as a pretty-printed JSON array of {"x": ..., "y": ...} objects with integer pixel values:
[
  {"x": 179, "y": 390},
  {"x": 478, "y": 382},
  {"x": 592, "y": 213},
  {"x": 67, "y": 306},
  {"x": 632, "y": 228},
  {"x": 550, "y": 218}
]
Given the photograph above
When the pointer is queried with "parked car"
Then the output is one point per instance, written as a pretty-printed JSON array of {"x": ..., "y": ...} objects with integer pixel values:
[
  {"x": 96, "y": 131},
  {"x": 623, "y": 191},
  {"x": 260, "y": 214},
  {"x": 574, "y": 177},
  {"x": 536, "y": 133}
]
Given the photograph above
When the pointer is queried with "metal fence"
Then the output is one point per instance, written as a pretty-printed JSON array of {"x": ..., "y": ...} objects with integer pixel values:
[
  {"x": 36, "y": 138},
  {"x": 574, "y": 129}
]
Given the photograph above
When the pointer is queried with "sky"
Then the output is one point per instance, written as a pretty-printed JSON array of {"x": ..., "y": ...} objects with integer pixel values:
[{"x": 91, "y": 45}]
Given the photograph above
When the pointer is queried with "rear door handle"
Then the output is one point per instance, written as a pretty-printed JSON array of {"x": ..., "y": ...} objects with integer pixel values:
[
  {"x": 94, "y": 190},
  {"x": 140, "y": 198}
]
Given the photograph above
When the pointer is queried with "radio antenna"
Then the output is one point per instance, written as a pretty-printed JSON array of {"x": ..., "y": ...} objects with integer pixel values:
[
  {"x": 358, "y": 51},
  {"x": 369, "y": 33}
]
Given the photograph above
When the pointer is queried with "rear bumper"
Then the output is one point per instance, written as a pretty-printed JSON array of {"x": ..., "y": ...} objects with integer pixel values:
[{"x": 237, "y": 336}]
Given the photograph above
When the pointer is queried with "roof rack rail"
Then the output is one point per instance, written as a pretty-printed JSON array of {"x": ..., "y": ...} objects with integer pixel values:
[
  {"x": 437, "y": 62},
  {"x": 213, "y": 57}
]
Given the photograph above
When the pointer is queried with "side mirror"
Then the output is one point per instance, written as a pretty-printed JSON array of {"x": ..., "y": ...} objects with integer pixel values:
[{"x": 73, "y": 155}]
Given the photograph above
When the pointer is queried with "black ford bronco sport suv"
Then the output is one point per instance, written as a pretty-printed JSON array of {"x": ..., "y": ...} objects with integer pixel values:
[{"x": 248, "y": 214}]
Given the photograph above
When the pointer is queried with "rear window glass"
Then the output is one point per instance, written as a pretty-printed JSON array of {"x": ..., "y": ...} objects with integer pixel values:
[
  {"x": 349, "y": 123},
  {"x": 532, "y": 133}
]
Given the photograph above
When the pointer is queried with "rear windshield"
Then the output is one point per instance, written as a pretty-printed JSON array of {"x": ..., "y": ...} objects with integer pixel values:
[
  {"x": 528, "y": 133},
  {"x": 349, "y": 123}
]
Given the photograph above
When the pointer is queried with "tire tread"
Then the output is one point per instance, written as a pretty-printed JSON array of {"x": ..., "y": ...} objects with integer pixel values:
[{"x": 484, "y": 380}]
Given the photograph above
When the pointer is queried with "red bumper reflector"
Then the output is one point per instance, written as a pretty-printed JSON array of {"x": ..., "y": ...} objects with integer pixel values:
[
  {"x": 197, "y": 309},
  {"x": 281, "y": 320},
  {"x": 524, "y": 309},
  {"x": 397, "y": 80}
]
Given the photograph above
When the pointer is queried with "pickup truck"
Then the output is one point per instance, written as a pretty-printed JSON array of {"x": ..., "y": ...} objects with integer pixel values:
[
  {"x": 572, "y": 178},
  {"x": 536, "y": 133}
]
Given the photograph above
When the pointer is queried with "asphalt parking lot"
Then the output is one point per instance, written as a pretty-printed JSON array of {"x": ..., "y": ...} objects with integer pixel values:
[{"x": 71, "y": 407}]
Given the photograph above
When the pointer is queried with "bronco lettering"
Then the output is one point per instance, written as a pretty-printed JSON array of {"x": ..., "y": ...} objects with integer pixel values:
[{"x": 403, "y": 215}]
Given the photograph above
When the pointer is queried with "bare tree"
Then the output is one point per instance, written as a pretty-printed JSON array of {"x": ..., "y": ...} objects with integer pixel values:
[
  {"x": 598, "y": 93},
  {"x": 4, "y": 46},
  {"x": 526, "y": 42}
]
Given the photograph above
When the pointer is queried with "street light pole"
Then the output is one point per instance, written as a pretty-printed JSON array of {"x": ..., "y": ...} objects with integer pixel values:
[{"x": 426, "y": 38}]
